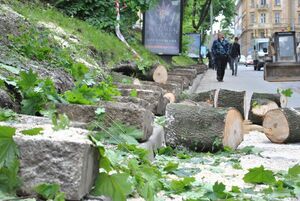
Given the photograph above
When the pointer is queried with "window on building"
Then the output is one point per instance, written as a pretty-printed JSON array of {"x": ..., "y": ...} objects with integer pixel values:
[
  {"x": 277, "y": 18},
  {"x": 263, "y": 18},
  {"x": 262, "y": 34},
  {"x": 277, "y": 2},
  {"x": 253, "y": 5},
  {"x": 263, "y": 2},
  {"x": 252, "y": 18}
]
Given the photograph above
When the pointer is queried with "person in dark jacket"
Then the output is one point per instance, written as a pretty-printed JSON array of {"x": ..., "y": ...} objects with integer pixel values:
[
  {"x": 235, "y": 54},
  {"x": 220, "y": 50}
]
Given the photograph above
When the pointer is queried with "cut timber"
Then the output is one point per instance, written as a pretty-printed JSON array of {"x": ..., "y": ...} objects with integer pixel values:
[
  {"x": 203, "y": 128},
  {"x": 282, "y": 125},
  {"x": 155, "y": 98},
  {"x": 140, "y": 86},
  {"x": 180, "y": 79},
  {"x": 227, "y": 98},
  {"x": 127, "y": 113},
  {"x": 175, "y": 88},
  {"x": 128, "y": 99},
  {"x": 259, "y": 108},
  {"x": 171, "y": 97},
  {"x": 189, "y": 75},
  {"x": 159, "y": 74},
  {"x": 206, "y": 96},
  {"x": 190, "y": 71},
  {"x": 272, "y": 97}
]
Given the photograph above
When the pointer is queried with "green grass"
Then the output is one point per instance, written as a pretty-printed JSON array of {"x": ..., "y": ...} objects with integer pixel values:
[
  {"x": 108, "y": 45},
  {"x": 183, "y": 61}
]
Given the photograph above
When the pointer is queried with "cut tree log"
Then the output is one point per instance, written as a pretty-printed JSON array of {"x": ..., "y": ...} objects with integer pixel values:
[
  {"x": 171, "y": 97},
  {"x": 158, "y": 73},
  {"x": 282, "y": 125},
  {"x": 190, "y": 71},
  {"x": 155, "y": 98},
  {"x": 228, "y": 98},
  {"x": 203, "y": 128},
  {"x": 127, "y": 113},
  {"x": 271, "y": 97},
  {"x": 206, "y": 96},
  {"x": 175, "y": 88},
  {"x": 128, "y": 99},
  {"x": 259, "y": 108},
  {"x": 189, "y": 75},
  {"x": 184, "y": 81}
]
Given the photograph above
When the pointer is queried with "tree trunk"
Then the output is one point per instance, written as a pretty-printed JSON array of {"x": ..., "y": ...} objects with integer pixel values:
[
  {"x": 206, "y": 96},
  {"x": 282, "y": 125},
  {"x": 271, "y": 97},
  {"x": 157, "y": 73},
  {"x": 188, "y": 74},
  {"x": 168, "y": 87},
  {"x": 181, "y": 80},
  {"x": 203, "y": 128},
  {"x": 227, "y": 98},
  {"x": 259, "y": 108}
]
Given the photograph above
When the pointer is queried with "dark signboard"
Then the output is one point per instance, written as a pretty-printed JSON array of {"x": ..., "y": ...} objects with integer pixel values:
[
  {"x": 194, "y": 45},
  {"x": 162, "y": 28}
]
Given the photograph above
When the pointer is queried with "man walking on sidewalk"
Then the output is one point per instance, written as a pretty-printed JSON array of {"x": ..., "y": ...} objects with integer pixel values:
[
  {"x": 220, "y": 50},
  {"x": 235, "y": 54}
]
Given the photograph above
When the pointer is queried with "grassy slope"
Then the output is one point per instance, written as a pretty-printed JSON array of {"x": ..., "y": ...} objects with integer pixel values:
[{"x": 107, "y": 44}]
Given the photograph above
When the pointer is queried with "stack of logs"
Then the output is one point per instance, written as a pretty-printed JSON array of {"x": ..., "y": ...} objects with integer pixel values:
[{"x": 210, "y": 120}]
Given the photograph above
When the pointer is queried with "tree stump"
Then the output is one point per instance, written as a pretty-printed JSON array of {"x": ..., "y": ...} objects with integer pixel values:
[
  {"x": 228, "y": 98},
  {"x": 206, "y": 96},
  {"x": 282, "y": 125},
  {"x": 259, "y": 108},
  {"x": 203, "y": 128}
]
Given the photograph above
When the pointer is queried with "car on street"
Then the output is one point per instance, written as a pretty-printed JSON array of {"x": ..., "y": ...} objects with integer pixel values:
[
  {"x": 242, "y": 60},
  {"x": 249, "y": 60}
]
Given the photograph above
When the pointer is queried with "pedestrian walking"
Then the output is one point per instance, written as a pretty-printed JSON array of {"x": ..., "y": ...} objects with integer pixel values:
[
  {"x": 235, "y": 54},
  {"x": 220, "y": 50},
  {"x": 255, "y": 58}
]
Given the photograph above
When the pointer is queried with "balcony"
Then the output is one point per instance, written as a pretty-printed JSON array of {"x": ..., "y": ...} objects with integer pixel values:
[{"x": 262, "y": 6}]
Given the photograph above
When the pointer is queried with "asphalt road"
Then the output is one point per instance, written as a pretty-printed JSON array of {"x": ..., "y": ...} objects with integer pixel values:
[{"x": 250, "y": 81}]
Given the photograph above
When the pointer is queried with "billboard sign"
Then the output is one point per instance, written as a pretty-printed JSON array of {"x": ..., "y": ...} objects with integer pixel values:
[
  {"x": 162, "y": 27},
  {"x": 194, "y": 45}
]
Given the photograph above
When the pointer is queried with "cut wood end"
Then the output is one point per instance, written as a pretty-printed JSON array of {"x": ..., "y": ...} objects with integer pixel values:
[
  {"x": 283, "y": 101},
  {"x": 171, "y": 97},
  {"x": 233, "y": 131},
  {"x": 136, "y": 81},
  {"x": 160, "y": 74},
  {"x": 276, "y": 126},
  {"x": 261, "y": 110}
]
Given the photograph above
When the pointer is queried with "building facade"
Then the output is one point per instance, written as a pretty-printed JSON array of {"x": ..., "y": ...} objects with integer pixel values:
[{"x": 262, "y": 18}]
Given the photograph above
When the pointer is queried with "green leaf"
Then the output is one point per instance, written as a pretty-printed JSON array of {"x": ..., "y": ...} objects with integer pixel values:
[
  {"x": 235, "y": 189},
  {"x": 287, "y": 92},
  {"x": 170, "y": 167},
  {"x": 49, "y": 191},
  {"x": 168, "y": 151},
  {"x": 117, "y": 186},
  {"x": 294, "y": 171},
  {"x": 6, "y": 114},
  {"x": 27, "y": 79},
  {"x": 8, "y": 148},
  {"x": 34, "y": 131},
  {"x": 9, "y": 179},
  {"x": 259, "y": 175},
  {"x": 60, "y": 123},
  {"x": 100, "y": 111},
  {"x": 179, "y": 186},
  {"x": 133, "y": 93}
]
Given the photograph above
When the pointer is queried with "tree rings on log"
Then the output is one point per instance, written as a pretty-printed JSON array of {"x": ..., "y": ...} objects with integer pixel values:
[
  {"x": 282, "y": 125},
  {"x": 171, "y": 97},
  {"x": 203, "y": 128},
  {"x": 159, "y": 74}
]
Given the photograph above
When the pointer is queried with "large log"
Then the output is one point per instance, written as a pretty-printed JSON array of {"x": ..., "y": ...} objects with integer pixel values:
[
  {"x": 203, "y": 128},
  {"x": 206, "y": 96},
  {"x": 184, "y": 81},
  {"x": 228, "y": 98},
  {"x": 189, "y": 75},
  {"x": 158, "y": 73},
  {"x": 138, "y": 101},
  {"x": 190, "y": 71},
  {"x": 271, "y": 97},
  {"x": 175, "y": 88},
  {"x": 127, "y": 113},
  {"x": 155, "y": 98},
  {"x": 259, "y": 108},
  {"x": 282, "y": 125}
]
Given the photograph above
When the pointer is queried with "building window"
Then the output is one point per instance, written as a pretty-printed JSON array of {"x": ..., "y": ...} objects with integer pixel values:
[
  {"x": 252, "y": 18},
  {"x": 262, "y": 34},
  {"x": 263, "y": 18},
  {"x": 277, "y": 2},
  {"x": 263, "y": 2},
  {"x": 253, "y": 5},
  {"x": 277, "y": 18}
]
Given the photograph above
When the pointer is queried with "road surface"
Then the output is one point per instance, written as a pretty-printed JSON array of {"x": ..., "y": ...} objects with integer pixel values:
[{"x": 250, "y": 81}]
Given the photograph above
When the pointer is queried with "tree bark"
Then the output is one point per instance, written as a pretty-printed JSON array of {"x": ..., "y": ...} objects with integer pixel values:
[
  {"x": 271, "y": 97},
  {"x": 259, "y": 108},
  {"x": 206, "y": 96},
  {"x": 182, "y": 80},
  {"x": 203, "y": 128},
  {"x": 228, "y": 98},
  {"x": 282, "y": 125}
]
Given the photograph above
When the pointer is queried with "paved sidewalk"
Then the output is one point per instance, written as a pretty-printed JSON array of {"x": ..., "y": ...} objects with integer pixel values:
[{"x": 250, "y": 81}]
